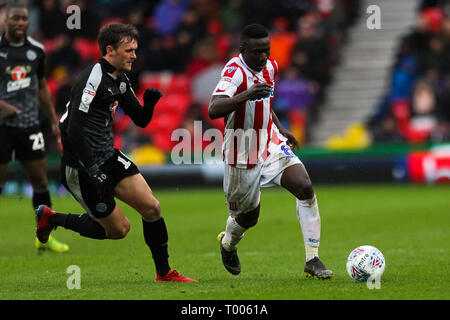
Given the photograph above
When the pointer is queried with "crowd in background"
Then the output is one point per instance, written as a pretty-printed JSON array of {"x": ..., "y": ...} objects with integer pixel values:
[
  {"x": 416, "y": 106},
  {"x": 183, "y": 46}
]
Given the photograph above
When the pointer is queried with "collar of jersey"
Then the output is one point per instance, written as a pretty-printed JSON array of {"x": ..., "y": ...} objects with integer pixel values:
[
  {"x": 4, "y": 41},
  {"x": 106, "y": 65},
  {"x": 251, "y": 70}
]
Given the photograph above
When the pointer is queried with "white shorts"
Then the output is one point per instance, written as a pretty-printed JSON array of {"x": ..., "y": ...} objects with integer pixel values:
[{"x": 242, "y": 186}]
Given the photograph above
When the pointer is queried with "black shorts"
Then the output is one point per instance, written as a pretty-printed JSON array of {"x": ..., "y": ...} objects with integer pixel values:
[
  {"x": 98, "y": 203},
  {"x": 28, "y": 143}
]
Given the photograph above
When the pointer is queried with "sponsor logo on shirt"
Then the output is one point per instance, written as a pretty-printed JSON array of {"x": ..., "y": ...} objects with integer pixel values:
[{"x": 19, "y": 78}]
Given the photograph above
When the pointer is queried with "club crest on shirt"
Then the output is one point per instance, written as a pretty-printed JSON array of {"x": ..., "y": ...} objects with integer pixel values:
[
  {"x": 122, "y": 87},
  {"x": 230, "y": 70},
  {"x": 31, "y": 55}
]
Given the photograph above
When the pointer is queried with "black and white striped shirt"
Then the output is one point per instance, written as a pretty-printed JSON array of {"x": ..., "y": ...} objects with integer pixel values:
[{"x": 21, "y": 68}]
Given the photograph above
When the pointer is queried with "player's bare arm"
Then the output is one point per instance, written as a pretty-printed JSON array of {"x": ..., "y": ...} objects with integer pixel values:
[
  {"x": 292, "y": 142},
  {"x": 47, "y": 106},
  {"x": 222, "y": 105},
  {"x": 8, "y": 110}
]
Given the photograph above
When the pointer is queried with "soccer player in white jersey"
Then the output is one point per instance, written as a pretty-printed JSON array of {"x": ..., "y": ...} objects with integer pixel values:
[{"x": 257, "y": 151}]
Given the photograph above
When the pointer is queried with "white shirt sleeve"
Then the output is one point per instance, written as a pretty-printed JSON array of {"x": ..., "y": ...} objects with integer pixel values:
[{"x": 231, "y": 79}]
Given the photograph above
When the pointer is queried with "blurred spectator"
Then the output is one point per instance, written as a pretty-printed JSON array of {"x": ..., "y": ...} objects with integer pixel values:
[
  {"x": 90, "y": 20},
  {"x": 205, "y": 55},
  {"x": 403, "y": 78},
  {"x": 402, "y": 81},
  {"x": 312, "y": 46},
  {"x": 416, "y": 41},
  {"x": 207, "y": 9},
  {"x": 282, "y": 42},
  {"x": 387, "y": 131},
  {"x": 168, "y": 15},
  {"x": 64, "y": 59},
  {"x": 155, "y": 56},
  {"x": 232, "y": 16},
  {"x": 434, "y": 17},
  {"x": 436, "y": 57},
  {"x": 191, "y": 30},
  {"x": 260, "y": 11},
  {"x": 293, "y": 92},
  {"x": 63, "y": 93},
  {"x": 136, "y": 17},
  {"x": 52, "y": 21},
  {"x": 423, "y": 111}
]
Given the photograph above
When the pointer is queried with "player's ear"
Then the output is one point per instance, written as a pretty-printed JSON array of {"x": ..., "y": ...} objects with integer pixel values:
[{"x": 109, "y": 49}]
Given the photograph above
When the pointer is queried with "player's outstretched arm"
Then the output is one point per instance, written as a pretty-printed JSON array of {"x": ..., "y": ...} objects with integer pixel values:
[
  {"x": 141, "y": 115},
  {"x": 222, "y": 105}
]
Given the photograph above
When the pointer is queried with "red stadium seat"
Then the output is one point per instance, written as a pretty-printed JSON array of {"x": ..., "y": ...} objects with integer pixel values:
[
  {"x": 53, "y": 86},
  {"x": 166, "y": 82},
  {"x": 179, "y": 83},
  {"x": 88, "y": 49},
  {"x": 216, "y": 123},
  {"x": 175, "y": 103}
]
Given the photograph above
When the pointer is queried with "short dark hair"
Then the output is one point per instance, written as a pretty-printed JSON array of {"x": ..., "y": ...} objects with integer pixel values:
[
  {"x": 112, "y": 33},
  {"x": 12, "y": 5},
  {"x": 253, "y": 31}
]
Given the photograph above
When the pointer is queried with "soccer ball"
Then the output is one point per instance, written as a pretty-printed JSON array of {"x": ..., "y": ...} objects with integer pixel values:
[{"x": 365, "y": 262}]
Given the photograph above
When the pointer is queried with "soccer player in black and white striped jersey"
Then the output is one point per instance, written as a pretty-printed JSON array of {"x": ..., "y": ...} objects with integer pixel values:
[
  {"x": 92, "y": 169},
  {"x": 23, "y": 88}
]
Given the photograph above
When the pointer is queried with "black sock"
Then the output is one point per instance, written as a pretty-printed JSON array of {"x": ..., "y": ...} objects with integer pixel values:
[
  {"x": 81, "y": 223},
  {"x": 155, "y": 235},
  {"x": 41, "y": 198}
]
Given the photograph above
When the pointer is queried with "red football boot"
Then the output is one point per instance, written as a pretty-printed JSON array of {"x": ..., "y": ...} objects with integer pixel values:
[
  {"x": 173, "y": 276},
  {"x": 43, "y": 226}
]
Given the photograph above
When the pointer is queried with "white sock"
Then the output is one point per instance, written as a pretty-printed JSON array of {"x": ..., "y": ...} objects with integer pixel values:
[
  {"x": 233, "y": 234},
  {"x": 309, "y": 218},
  {"x": 311, "y": 252}
]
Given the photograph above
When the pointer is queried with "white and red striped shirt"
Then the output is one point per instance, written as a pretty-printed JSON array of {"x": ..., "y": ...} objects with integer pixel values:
[{"x": 249, "y": 130}]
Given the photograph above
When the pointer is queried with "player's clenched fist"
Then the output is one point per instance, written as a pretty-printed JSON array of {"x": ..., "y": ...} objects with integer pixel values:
[
  {"x": 151, "y": 96},
  {"x": 258, "y": 91}
]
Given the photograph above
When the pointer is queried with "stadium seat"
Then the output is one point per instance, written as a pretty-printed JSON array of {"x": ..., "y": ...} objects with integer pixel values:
[
  {"x": 88, "y": 49},
  {"x": 175, "y": 103},
  {"x": 50, "y": 45},
  {"x": 53, "y": 86},
  {"x": 179, "y": 83},
  {"x": 216, "y": 123}
]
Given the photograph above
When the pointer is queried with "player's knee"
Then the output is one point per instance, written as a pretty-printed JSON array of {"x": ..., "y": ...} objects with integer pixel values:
[
  {"x": 248, "y": 219},
  {"x": 120, "y": 231},
  {"x": 304, "y": 190},
  {"x": 152, "y": 211}
]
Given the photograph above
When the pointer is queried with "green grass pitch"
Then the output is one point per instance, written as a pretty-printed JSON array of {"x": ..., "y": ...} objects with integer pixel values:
[{"x": 409, "y": 224}]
